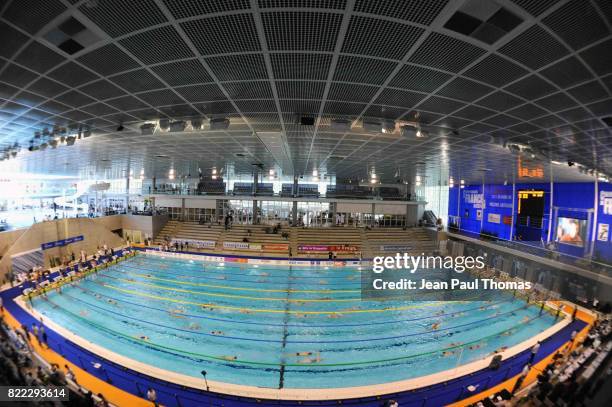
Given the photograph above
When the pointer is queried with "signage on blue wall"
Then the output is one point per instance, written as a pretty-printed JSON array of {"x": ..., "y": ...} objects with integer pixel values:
[
  {"x": 603, "y": 231},
  {"x": 473, "y": 197},
  {"x": 60, "y": 243},
  {"x": 500, "y": 201},
  {"x": 605, "y": 200}
]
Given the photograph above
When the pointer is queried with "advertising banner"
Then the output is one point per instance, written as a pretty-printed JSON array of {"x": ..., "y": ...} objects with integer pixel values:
[
  {"x": 493, "y": 218},
  {"x": 200, "y": 244},
  {"x": 60, "y": 243},
  {"x": 275, "y": 247},
  {"x": 236, "y": 245},
  {"x": 398, "y": 248},
  {"x": 331, "y": 248},
  {"x": 603, "y": 230}
]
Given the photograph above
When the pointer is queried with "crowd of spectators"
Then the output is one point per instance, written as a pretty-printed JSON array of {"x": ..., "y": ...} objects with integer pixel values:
[
  {"x": 570, "y": 378},
  {"x": 19, "y": 366}
]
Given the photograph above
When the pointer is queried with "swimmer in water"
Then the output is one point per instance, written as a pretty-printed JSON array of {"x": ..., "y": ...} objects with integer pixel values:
[
  {"x": 302, "y": 354},
  {"x": 143, "y": 337},
  {"x": 335, "y": 315},
  {"x": 245, "y": 311},
  {"x": 435, "y": 326},
  {"x": 474, "y": 347},
  {"x": 216, "y": 332},
  {"x": 83, "y": 313},
  {"x": 311, "y": 360},
  {"x": 447, "y": 353},
  {"x": 230, "y": 358},
  {"x": 525, "y": 319}
]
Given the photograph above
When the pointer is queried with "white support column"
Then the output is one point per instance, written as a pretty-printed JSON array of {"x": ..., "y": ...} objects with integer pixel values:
[
  {"x": 550, "y": 211},
  {"x": 373, "y": 214},
  {"x": 595, "y": 210}
]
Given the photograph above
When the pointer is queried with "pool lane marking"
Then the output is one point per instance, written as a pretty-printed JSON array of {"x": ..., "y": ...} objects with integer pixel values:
[
  {"x": 215, "y": 270},
  {"x": 154, "y": 345},
  {"x": 161, "y": 287},
  {"x": 388, "y": 322},
  {"x": 283, "y": 360},
  {"x": 284, "y": 340},
  {"x": 243, "y": 288},
  {"x": 211, "y": 265},
  {"x": 205, "y": 274},
  {"x": 277, "y": 311},
  {"x": 244, "y": 297}
]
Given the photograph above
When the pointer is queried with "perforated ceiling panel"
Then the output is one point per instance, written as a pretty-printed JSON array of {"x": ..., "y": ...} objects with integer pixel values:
[{"x": 474, "y": 75}]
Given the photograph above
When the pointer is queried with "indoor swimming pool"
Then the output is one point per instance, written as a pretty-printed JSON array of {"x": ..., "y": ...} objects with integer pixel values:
[{"x": 280, "y": 326}]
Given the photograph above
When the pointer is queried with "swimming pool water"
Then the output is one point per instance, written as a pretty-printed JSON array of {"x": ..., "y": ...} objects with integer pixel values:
[{"x": 290, "y": 327}]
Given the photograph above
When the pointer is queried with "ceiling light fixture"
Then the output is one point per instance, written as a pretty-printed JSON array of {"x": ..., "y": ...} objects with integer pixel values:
[
  {"x": 147, "y": 129},
  {"x": 164, "y": 124}
]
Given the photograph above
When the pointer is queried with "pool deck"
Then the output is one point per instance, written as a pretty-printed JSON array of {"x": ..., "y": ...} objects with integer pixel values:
[{"x": 68, "y": 348}]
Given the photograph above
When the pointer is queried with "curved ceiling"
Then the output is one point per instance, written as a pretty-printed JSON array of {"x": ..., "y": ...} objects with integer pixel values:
[{"x": 475, "y": 75}]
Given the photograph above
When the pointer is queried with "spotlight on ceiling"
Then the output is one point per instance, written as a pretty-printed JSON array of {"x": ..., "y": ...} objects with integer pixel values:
[
  {"x": 373, "y": 126},
  {"x": 178, "y": 126},
  {"x": 164, "y": 124},
  {"x": 147, "y": 129},
  {"x": 411, "y": 131},
  {"x": 219, "y": 123},
  {"x": 341, "y": 124}
]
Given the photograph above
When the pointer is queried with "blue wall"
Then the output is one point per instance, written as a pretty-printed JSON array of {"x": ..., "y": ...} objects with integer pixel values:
[{"x": 573, "y": 200}]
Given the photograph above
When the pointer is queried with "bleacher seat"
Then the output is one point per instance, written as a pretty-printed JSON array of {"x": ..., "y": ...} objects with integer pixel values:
[
  {"x": 243, "y": 188},
  {"x": 389, "y": 193},
  {"x": 349, "y": 191},
  {"x": 211, "y": 187},
  {"x": 265, "y": 189},
  {"x": 287, "y": 190},
  {"x": 308, "y": 190}
]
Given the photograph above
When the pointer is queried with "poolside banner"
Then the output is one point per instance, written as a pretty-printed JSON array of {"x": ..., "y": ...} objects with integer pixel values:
[
  {"x": 276, "y": 247},
  {"x": 331, "y": 248},
  {"x": 398, "y": 248},
  {"x": 236, "y": 245},
  {"x": 241, "y": 246},
  {"x": 60, "y": 243},
  {"x": 199, "y": 244},
  {"x": 312, "y": 248}
]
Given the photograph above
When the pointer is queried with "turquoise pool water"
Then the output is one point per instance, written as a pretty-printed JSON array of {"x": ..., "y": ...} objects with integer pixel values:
[{"x": 292, "y": 327}]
